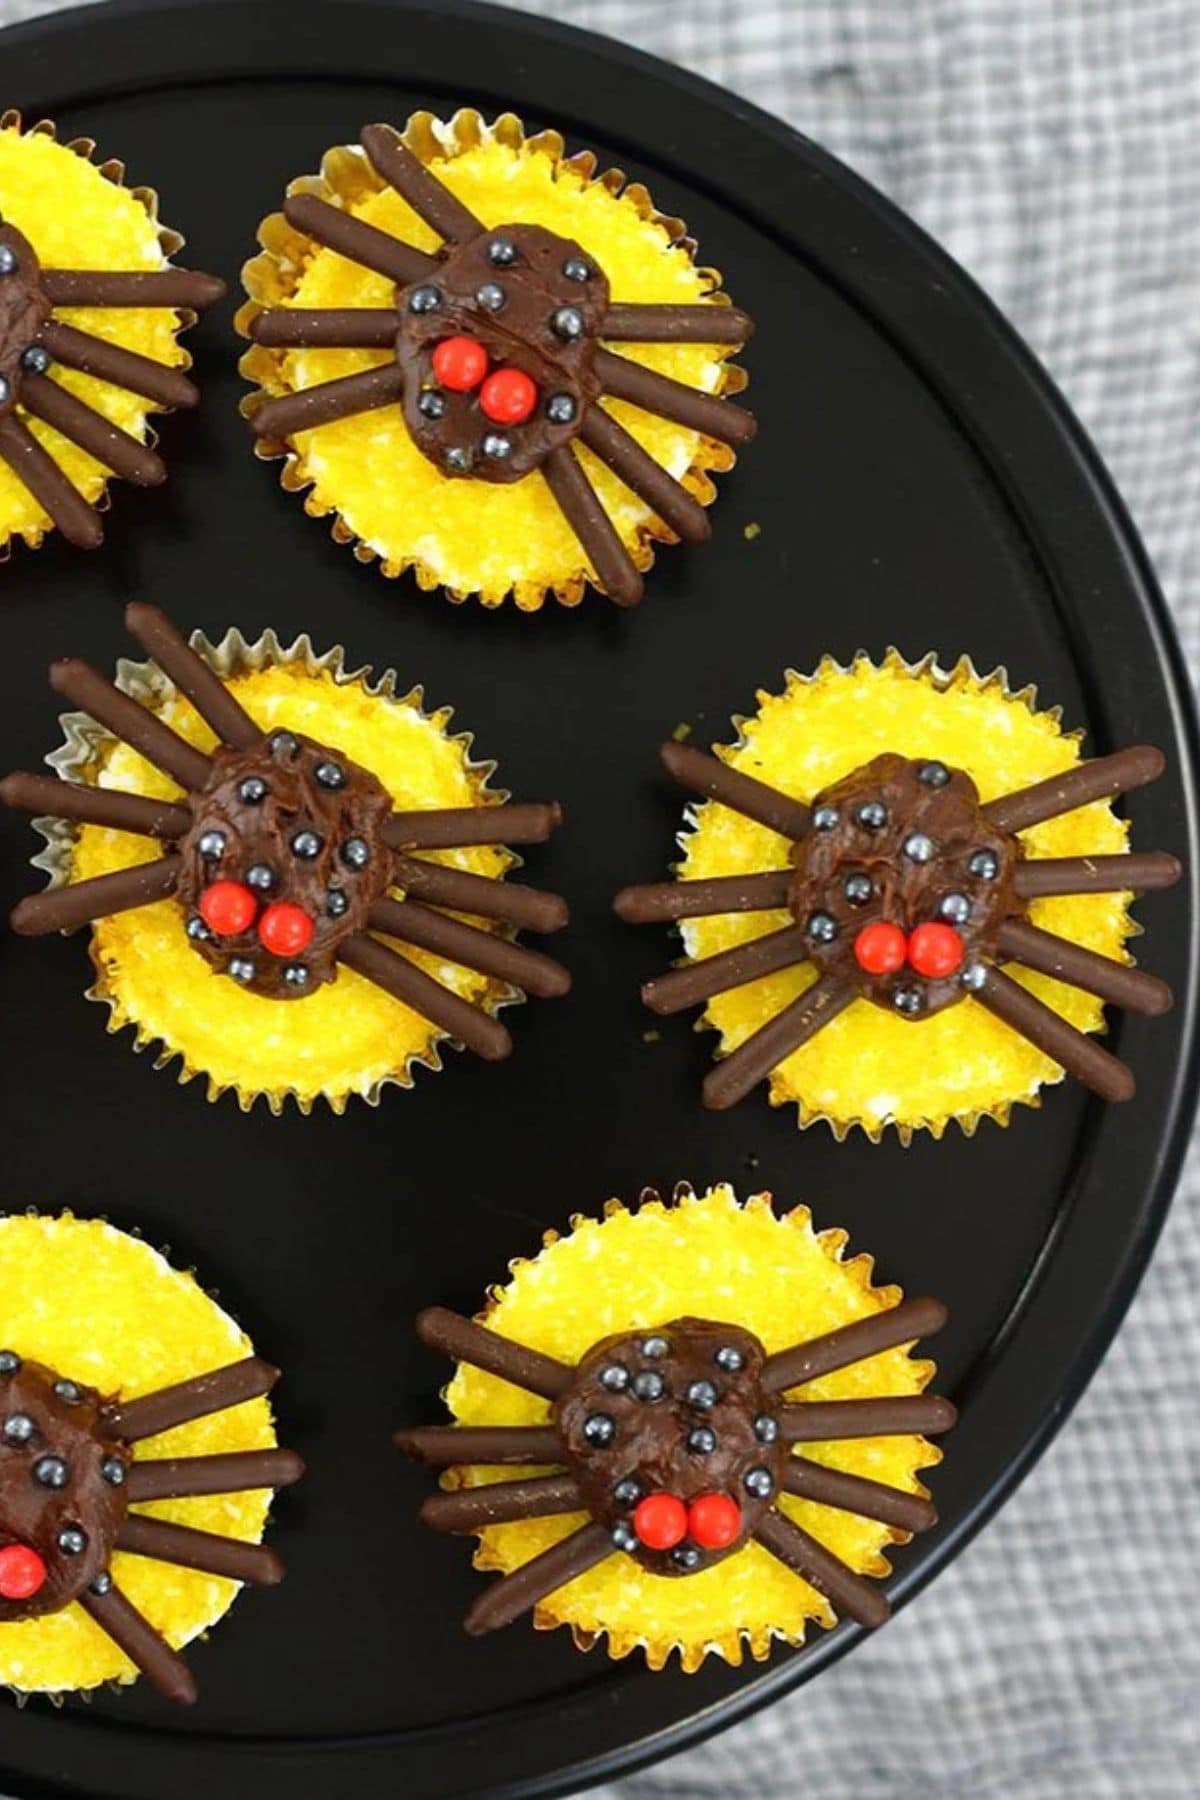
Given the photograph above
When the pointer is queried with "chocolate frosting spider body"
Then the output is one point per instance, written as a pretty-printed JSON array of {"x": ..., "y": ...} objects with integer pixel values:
[{"x": 24, "y": 309}]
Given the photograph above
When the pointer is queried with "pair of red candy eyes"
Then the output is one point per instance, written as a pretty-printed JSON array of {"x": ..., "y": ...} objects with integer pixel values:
[
  {"x": 660, "y": 1521},
  {"x": 507, "y": 396},
  {"x": 229, "y": 908},
  {"x": 932, "y": 949},
  {"x": 22, "y": 1572}
]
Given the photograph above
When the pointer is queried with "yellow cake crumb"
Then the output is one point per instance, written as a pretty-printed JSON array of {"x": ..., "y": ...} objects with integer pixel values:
[
  {"x": 705, "y": 1256},
  {"x": 76, "y": 218},
  {"x": 106, "y": 1310},
  {"x": 348, "y": 1037},
  {"x": 479, "y": 537}
]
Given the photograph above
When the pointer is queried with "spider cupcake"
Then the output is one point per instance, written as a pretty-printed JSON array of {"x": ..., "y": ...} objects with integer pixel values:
[
  {"x": 492, "y": 365},
  {"x": 686, "y": 1428},
  {"x": 253, "y": 831},
  {"x": 905, "y": 900},
  {"x": 137, "y": 1461},
  {"x": 90, "y": 312}
]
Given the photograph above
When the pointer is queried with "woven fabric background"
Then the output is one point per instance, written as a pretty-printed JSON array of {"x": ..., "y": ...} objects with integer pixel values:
[{"x": 1053, "y": 146}]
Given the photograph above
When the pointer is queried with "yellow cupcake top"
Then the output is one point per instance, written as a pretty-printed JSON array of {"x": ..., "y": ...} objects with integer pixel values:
[
  {"x": 867, "y": 1067},
  {"x": 704, "y": 1257},
  {"x": 77, "y": 215},
  {"x": 473, "y": 536},
  {"x": 105, "y": 1310}
]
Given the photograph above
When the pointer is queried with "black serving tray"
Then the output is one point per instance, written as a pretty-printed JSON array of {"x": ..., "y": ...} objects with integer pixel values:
[{"x": 916, "y": 481}]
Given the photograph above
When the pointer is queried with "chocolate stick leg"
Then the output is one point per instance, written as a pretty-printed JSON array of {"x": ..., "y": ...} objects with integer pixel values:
[
  {"x": 335, "y": 328},
  {"x": 854, "y": 1493},
  {"x": 834, "y": 1421},
  {"x": 443, "y": 1445},
  {"x": 1132, "y": 873},
  {"x": 730, "y": 969},
  {"x": 847, "y": 1344},
  {"x": 361, "y": 242},
  {"x": 659, "y": 901},
  {"x": 116, "y": 449},
  {"x": 584, "y": 512},
  {"x": 234, "y": 1472},
  {"x": 1077, "y": 1053},
  {"x": 515, "y": 1594},
  {"x": 466, "y": 1341},
  {"x": 140, "y": 287},
  {"x": 37, "y": 470},
  {"x": 1100, "y": 975},
  {"x": 456, "y": 827},
  {"x": 470, "y": 948},
  {"x": 473, "y": 1027},
  {"x": 124, "y": 368},
  {"x": 847, "y": 1592},
  {"x": 161, "y": 639},
  {"x": 328, "y": 400},
  {"x": 669, "y": 324},
  {"x": 53, "y": 797},
  {"x": 66, "y": 908},
  {"x": 186, "y": 1400},
  {"x": 688, "y": 406},
  {"x": 647, "y": 478},
  {"x": 1101, "y": 779},
  {"x": 479, "y": 894},
  {"x": 428, "y": 197},
  {"x": 497, "y": 1502},
  {"x": 715, "y": 780},
  {"x": 141, "y": 729},
  {"x": 203, "y": 1550},
  {"x": 163, "y": 1667},
  {"x": 735, "y": 1075}
]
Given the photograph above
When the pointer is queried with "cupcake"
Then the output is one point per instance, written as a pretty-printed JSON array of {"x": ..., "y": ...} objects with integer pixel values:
[
  {"x": 905, "y": 900},
  {"x": 491, "y": 364},
  {"x": 690, "y": 1427},
  {"x": 90, "y": 315},
  {"x": 273, "y": 853},
  {"x": 137, "y": 1461}
]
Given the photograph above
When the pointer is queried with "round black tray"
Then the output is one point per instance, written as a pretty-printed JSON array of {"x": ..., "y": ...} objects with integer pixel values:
[{"x": 916, "y": 481}]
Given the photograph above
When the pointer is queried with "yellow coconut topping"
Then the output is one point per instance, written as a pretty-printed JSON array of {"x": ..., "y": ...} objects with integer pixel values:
[
  {"x": 479, "y": 536},
  {"x": 77, "y": 218},
  {"x": 106, "y": 1310},
  {"x": 870, "y": 1067},
  {"x": 704, "y": 1257},
  {"x": 347, "y": 1037}
]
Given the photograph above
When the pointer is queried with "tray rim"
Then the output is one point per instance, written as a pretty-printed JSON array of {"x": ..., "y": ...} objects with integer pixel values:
[{"x": 1037, "y": 406}]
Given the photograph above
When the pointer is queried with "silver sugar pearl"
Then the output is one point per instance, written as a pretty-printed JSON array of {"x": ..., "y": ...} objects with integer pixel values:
[
  {"x": 330, "y": 775},
  {"x": 627, "y": 1492},
  {"x": 648, "y": 1385},
  {"x": 822, "y": 927},
  {"x": 502, "y": 253},
  {"x": 984, "y": 865},
  {"x": 8, "y": 259},
  {"x": 623, "y": 1538},
  {"x": 766, "y": 1429},
  {"x": 575, "y": 269},
  {"x": 51, "y": 1472},
  {"x": 730, "y": 1358},
  {"x": 491, "y": 296},
  {"x": 10, "y": 1362},
  {"x": 686, "y": 1556},
  {"x": 18, "y": 1428},
  {"x": 758, "y": 1482},
  {"x": 102, "y": 1584},
  {"x": 655, "y": 1346},
  {"x": 956, "y": 908},
  {"x": 599, "y": 1429},
  {"x": 825, "y": 818},
  {"x": 336, "y": 902},
  {"x": 567, "y": 322},
  {"x": 615, "y": 1377},
  {"x": 918, "y": 848},
  {"x": 974, "y": 976},
  {"x": 306, "y": 845},
  {"x": 112, "y": 1470},
  {"x": 497, "y": 446},
  {"x": 702, "y": 1440},
  {"x": 241, "y": 968},
  {"x": 933, "y": 774},
  {"x": 197, "y": 930},
  {"x": 908, "y": 1000},
  {"x": 212, "y": 844},
  {"x": 72, "y": 1541},
  {"x": 858, "y": 888},
  {"x": 252, "y": 791},
  {"x": 424, "y": 299},
  {"x": 459, "y": 458},
  {"x": 702, "y": 1394},
  {"x": 68, "y": 1392},
  {"x": 282, "y": 743},
  {"x": 561, "y": 409},
  {"x": 432, "y": 404},
  {"x": 296, "y": 975},
  {"x": 260, "y": 876},
  {"x": 873, "y": 815},
  {"x": 36, "y": 359},
  {"x": 356, "y": 853}
]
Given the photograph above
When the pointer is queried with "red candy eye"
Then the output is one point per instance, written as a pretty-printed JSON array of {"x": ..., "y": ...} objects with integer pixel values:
[
  {"x": 660, "y": 1521},
  {"x": 714, "y": 1521},
  {"x": 880, "y": 948},
  {"x": 935, "y": 950},
  {"x": 460, "y": 363},
  {"x": 22, "y": 1572},
  {"x": 508, "y": 396},
  {"x": 285, "y": 929},
  {"x": 227, "y": 908}
]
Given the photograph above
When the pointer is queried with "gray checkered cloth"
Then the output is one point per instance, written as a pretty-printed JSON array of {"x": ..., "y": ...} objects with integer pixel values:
[{"x": 1053, "y": 146}]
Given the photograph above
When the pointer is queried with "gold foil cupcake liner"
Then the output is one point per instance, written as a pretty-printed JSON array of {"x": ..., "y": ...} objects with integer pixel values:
[
  {"x": 84, "y": 749},
  {"x": 347, "y": 176}
]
